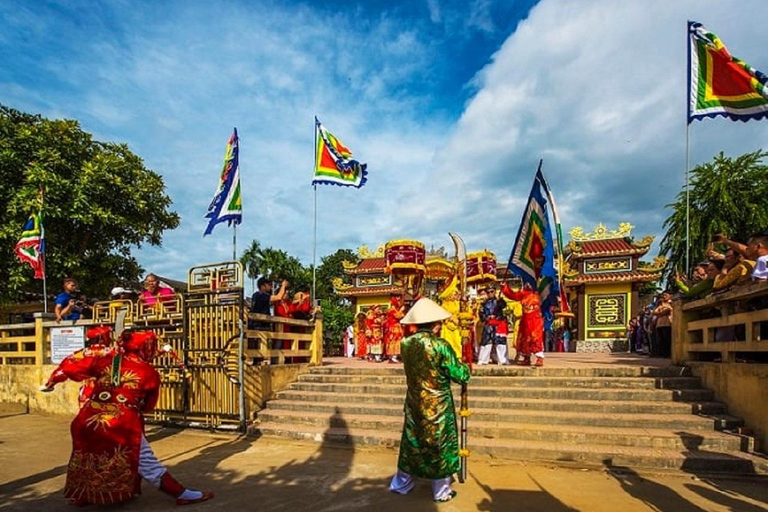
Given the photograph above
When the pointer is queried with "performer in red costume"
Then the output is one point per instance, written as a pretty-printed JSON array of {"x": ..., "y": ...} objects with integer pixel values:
[
  {"x": 394, "y": 331},
  {"x": 530, "y": 334},
  {"x": 110, "y": 454},
  {"x": 99, "y": 344}
]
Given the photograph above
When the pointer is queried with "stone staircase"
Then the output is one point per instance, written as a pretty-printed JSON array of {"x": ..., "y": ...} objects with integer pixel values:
[{"x": 623, "y": 416}]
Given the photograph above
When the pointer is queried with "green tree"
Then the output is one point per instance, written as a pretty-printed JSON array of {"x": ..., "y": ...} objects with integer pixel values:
[
  {"x": 331, "y": 268},
  {"x": 727, "y": 195},
  {"x": 336, "y": 318},
  {"x": 275, "y": 265},
  {"x": 100, "y": 203}
]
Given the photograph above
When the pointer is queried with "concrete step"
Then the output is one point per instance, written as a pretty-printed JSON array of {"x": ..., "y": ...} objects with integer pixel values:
[
  {"x": 684, "y": 395},
  {"x": 512, "y": 370},
  {"x": 589, "y": 455},
  {"x": 484, "y": 427},
  {"x": 522, "y": 381},
  {"x": 494, "y": 420},
  {"x": 365, "y": 404}
]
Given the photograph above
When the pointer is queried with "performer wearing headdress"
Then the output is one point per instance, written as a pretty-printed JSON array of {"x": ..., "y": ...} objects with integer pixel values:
[
  {"x": 109, "y": 451},
  {"x": 450, "y": 301},
  {"x": 429, "y": 447},
  {"x": 394, "y": 331},
  {"x": 494, "y": 328},
  {"x": 98, "y": 344},
  {"x": 361, "y": 338},
  {"x": 530, "y": 335},
  {"x": 374, "y": 331}
]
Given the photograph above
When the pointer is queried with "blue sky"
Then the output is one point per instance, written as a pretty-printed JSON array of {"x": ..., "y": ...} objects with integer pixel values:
[{"x": 451, "y": 104}]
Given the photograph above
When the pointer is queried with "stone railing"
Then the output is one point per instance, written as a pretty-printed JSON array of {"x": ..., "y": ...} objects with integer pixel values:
[
  {"x": 725, "y": 327},
  {"x": 723, "y": 339}
]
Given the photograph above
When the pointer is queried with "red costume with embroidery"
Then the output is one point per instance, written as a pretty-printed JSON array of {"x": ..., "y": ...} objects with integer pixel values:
[
  {"x": 361, "y": 343},
  {"x": 107, "y": 432},
  {"x": 100, "y": 346},
  {"x": 374, "y": 330},
  {"x": 530, "y": 333},
  {"x": 394, "y": 331}
]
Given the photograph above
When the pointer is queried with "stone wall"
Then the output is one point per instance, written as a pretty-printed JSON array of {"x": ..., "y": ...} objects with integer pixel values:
[
  {"x": 744, "y": 387},
  {"x": 20, "y": 384}
]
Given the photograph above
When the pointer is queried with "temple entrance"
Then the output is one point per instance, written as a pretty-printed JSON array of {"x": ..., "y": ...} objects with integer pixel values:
[{"x": 202, "y": 372}]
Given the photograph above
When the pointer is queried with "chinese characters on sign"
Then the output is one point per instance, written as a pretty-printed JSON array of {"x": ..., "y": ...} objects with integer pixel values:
[{"x": 608, "y": 265}]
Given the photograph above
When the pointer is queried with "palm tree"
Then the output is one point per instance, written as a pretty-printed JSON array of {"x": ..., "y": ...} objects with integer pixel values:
[{"x": 251, "y": 260}]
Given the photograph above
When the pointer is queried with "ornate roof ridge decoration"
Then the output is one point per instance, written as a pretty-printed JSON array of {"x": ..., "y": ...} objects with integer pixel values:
[
  {"x": 348, "y": 265},
  {"x": 437, "y": 254},
  {"x": 659, "y": 262},
  {"x": 644, "y": 242},
  {"x": 601, "y": 232},
  {"x": 365, "y": 253},
  {"x": 339, "y": 285}
]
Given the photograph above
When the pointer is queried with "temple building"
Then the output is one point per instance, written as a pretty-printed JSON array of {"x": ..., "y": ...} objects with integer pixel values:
[
  {"x": 371, "y": 284},
  {"x": 603, "y": 277}
]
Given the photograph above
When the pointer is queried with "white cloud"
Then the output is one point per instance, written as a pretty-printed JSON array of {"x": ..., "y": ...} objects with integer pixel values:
[{"x": 596, "y": 88}]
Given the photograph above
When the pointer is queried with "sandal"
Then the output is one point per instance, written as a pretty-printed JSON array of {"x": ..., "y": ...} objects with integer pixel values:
[{"x": 447, "y": 498}]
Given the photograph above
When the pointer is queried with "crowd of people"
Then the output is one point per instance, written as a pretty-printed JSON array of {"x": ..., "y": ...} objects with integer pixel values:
[
  {"x": 650, "y": 332},
  {"x": 499, "y": 322}
]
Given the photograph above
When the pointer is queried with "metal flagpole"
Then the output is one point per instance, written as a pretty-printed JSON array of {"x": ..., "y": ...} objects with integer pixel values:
[
  {"x": 314, "y": 229},
  {"x": 687, "y": 203},
  {"x": 314, "y": 252},
  {"x": 234, "y": 241},
  {"x": 42, "y": 253}
]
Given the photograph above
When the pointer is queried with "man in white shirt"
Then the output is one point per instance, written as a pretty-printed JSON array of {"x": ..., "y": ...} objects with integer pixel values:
[{"x": 757, "y": 250}]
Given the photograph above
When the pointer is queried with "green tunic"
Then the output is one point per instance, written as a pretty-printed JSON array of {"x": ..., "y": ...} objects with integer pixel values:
[{"x": 429, "y": 447}]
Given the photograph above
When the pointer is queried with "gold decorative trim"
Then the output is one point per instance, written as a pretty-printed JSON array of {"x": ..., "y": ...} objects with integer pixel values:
[
  {"x": 339, "y": 284},
  {"x": 601, "y": 232},
  {"x": 348, "y": 265},
  {"x": 366, "y": 254}
]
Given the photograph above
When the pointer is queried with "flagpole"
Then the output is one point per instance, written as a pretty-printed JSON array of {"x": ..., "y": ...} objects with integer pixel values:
[
  {"x": 314, "y": 251},
  {"x": 314, "y": 229},
  {"x": 234, "y": 241},
  {"x": 687, "y": 202},
  {"x": 42, "y": 255}
]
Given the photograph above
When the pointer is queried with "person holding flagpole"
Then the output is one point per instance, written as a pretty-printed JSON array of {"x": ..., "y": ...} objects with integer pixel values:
[{"x": 429, "y": 447}]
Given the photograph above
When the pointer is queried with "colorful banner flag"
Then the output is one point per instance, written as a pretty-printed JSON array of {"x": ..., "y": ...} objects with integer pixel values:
[
  {"x": 533, "y": 256},
  {"x": 31, "y": 248},
  {"x": 334, "y": 164},
  {"x": 226, "y": 204},
  {"x": 720, "y": 84}
]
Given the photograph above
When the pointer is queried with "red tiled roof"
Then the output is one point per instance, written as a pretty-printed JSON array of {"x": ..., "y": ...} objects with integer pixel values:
[
  {"x": 613, "y": 247},
  {"x": 613, "y": 277},
  {"x": 370, "y": 290},
  {"x": 369, "y": 266}
]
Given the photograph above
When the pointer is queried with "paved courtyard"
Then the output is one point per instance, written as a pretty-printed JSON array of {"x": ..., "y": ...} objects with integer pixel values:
[{"x": 277, "y": 475}]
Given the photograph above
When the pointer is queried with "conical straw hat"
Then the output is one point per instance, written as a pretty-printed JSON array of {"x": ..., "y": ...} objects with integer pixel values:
[{"x": 425, "y": 311}]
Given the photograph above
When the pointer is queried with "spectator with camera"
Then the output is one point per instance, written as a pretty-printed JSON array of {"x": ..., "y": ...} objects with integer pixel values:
[
  {"x": 263, "y": 299},
  {"x": 68, "y": 307}
]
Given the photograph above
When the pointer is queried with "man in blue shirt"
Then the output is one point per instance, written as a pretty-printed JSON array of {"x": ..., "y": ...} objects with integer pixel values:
[{"x": 66, "y": 303}]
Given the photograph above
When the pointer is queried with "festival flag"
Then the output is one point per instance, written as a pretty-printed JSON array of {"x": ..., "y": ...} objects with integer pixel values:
[
  {"x": 334, "y": 164},
  {"x": 226, "y": 204},
  {"x": 533, "y": 256},
  {"x": 720, "y": 84},
  {"x": 31, "y": 247}
]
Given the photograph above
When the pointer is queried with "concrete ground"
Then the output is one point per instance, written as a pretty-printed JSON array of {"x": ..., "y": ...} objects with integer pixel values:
[{"x": 278, "y": 475}]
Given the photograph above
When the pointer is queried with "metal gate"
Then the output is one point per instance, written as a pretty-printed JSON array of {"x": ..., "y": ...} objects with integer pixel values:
[{"x": 201, "y": 375}]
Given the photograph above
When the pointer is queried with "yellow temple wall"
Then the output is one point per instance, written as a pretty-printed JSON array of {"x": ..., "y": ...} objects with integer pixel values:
[{"x": 600, "y": 289}]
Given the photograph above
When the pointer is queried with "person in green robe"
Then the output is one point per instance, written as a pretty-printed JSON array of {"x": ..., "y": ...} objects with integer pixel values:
[{"x": 429, "y": 447}]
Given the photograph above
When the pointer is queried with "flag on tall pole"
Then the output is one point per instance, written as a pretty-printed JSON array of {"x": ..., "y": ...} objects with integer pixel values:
[
  {"x": 31, "y": 247},
  {"x": 226, "y": 204},
  {"x": 334, "y": 162},
  {"x": 533, "y": 256},
  {"x": 720, "y": 84}
]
